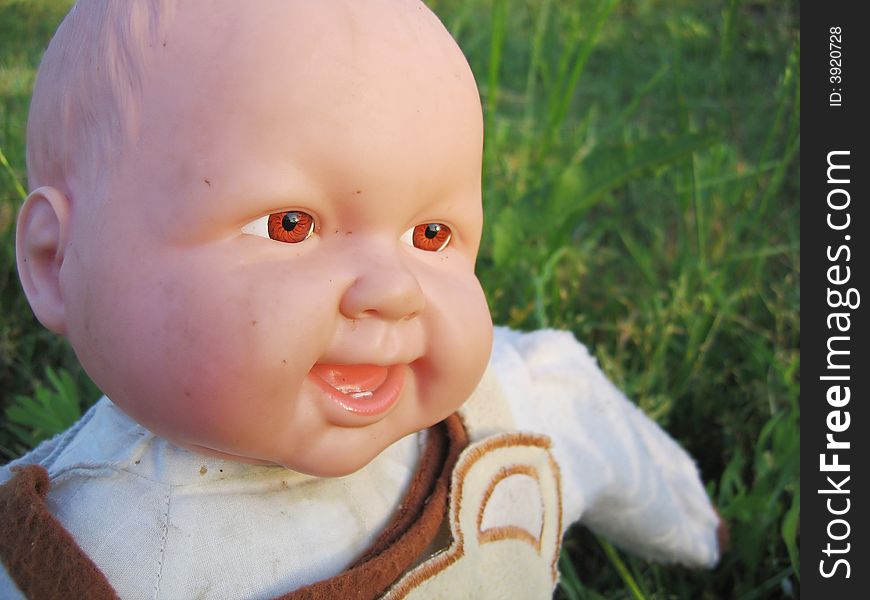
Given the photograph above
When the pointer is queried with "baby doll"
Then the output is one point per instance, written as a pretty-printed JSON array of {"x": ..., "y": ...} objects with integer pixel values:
[{"x": 257, "y": 223}]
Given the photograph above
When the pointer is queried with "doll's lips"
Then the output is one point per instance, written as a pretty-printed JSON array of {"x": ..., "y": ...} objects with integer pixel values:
[{"x": 361, "y": 389}]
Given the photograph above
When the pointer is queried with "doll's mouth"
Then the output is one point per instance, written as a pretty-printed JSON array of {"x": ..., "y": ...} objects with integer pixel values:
[{"x": 361, "y": 389}]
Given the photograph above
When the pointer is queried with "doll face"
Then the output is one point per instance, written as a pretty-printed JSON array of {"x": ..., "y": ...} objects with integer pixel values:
[{"x": 280, "y": 269}]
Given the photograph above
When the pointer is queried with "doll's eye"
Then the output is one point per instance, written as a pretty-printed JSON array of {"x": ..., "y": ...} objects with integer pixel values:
[
  {"x": 432, "y": 237},
  {"x": 289, "y": 226},
  {"x": 292, "y": 226}
]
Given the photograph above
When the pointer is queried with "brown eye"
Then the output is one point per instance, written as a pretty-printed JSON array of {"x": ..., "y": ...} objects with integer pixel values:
[
  {"x": 292, "y": 226},
  {"x": 432, "y": 237}
]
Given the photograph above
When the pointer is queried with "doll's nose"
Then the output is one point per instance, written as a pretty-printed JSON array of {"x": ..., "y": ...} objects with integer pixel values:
[{"x": 384, "y": 287}]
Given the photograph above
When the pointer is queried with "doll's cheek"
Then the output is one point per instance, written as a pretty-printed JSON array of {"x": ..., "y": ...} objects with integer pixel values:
[{"x": 460, "y": 339}]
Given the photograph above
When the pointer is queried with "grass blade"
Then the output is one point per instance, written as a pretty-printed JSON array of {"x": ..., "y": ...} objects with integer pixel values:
[
  {"x": 623, "y": 571},
  {"x": 15, "y": 182}
]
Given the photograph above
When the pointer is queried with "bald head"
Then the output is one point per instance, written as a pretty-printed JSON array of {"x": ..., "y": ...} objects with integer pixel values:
[{"x": 117, "y": 71}]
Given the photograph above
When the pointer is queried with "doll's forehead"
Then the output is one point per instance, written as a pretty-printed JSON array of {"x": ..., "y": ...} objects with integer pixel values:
[
  {"x": 327, "y": 84},
  {"x": 372, "y": 61}
]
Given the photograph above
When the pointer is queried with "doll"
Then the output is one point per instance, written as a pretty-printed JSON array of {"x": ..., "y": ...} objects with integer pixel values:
[{"x": 256, "y": 223}]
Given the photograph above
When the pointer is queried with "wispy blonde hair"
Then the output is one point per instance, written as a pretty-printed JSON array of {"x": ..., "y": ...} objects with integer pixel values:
[{"x": 85, "y": 102}]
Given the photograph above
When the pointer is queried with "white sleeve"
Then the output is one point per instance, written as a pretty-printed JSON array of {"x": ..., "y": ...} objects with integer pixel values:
[{"x": 622, "y": 475}]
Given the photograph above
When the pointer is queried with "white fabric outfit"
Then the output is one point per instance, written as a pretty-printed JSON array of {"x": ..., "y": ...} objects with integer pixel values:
[{"x": 164, "y": 522}]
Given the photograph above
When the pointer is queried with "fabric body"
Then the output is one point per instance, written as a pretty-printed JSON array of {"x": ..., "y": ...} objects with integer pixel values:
[{"x": 164, "y": 522}]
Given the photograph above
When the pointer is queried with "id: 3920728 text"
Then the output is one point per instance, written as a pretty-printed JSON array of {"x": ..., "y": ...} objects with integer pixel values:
[{"x": 835, "y": 66}]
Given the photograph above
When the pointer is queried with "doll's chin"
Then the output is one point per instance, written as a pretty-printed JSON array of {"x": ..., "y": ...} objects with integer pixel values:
[
  {"x": 350, "y": 464},
  {"x": 227, "y": 456},
  {"x": 316, "y": 464},
  {"x": 331, "y": 469}
]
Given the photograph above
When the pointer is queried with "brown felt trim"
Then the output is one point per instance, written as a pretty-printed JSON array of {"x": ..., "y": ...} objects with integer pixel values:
[
  {"x": 431, "y": 464},
  {"x": 414, "y": 527},
  {"x": 39, "y": 554},
  {"x": 504, "y": 532}
]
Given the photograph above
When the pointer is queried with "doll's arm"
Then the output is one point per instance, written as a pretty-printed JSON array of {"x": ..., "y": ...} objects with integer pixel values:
[{"x": 622, "y": 475}]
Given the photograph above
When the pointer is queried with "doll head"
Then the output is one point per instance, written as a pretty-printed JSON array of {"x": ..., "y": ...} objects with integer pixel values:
[{"x": 256, "y": 223}]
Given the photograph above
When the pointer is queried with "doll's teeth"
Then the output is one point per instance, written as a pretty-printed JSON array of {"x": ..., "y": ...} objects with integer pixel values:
[
  {"x": 352, "y": 390},
  {"x": 349, "y": 388},
  {"x": 356, "y": 381}
]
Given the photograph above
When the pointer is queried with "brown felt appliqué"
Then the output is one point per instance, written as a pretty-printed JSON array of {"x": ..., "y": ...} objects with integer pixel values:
[{"x": 39, "y": 554}]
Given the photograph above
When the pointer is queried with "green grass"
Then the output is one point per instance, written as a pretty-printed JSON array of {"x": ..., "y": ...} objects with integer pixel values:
[{"x": 641, "y": 189}]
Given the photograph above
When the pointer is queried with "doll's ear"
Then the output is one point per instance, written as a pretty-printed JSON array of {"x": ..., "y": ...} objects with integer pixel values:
[{"x": 40, "y": 244}]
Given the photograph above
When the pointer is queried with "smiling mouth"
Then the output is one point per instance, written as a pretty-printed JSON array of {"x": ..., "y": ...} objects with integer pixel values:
[{"x": 367, "y": 390}]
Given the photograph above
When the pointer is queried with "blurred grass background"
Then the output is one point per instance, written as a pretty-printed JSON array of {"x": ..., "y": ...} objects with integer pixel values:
[{"x": 641, "y": 188}]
